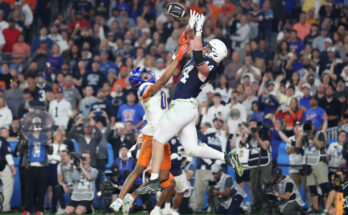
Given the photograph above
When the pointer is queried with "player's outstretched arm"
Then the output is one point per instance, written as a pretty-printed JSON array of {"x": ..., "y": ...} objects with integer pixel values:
[
  {"x": 197, "y": 48},
  {"x": 183, "y": 49}
]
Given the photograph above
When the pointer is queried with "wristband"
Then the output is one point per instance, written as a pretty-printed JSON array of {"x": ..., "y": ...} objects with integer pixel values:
[{"x": 198, "y": 57}]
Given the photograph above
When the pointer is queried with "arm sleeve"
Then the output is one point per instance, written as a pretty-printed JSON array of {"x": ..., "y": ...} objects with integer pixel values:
[
  {"x": 144, "y": 90},
  {"x": 94, "y": 174},
  {"x": 9, "y": 159},
  {"x": 228, "y": 183},
  {"x": 59, "y": 169},
  {"x": 288, "y": 187}
]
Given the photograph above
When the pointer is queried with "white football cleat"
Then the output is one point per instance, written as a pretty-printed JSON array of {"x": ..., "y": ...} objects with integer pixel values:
[
  {"x": 174, "y": 212},
  {"x": 127, "y": 203},
  {"x": 166, "y": 211},
  {"x": 156, "y": 211},
  {"x": 116, "y": 205}
]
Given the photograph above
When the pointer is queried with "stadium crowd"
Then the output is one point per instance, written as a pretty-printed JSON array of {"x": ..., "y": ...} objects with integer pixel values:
[{"x": 285, "y": 79}]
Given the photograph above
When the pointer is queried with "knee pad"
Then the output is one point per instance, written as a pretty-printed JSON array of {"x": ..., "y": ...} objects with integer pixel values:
[
  {"x": 324, "y": 188},
  {"x": 313, "y": 190}
]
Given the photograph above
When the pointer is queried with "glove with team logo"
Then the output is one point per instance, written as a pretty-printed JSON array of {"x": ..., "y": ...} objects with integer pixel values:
[
  {"x": 199, "y": 24},
  {"x": 182, "y": 51},
  {"x": 192, "y": 19}
]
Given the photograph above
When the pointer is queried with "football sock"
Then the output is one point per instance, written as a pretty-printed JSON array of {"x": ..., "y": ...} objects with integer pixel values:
[{"x": 154, "y": 176}]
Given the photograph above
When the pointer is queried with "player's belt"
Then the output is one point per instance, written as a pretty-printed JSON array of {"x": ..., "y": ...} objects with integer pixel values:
[{"x": 190, "y": 100}]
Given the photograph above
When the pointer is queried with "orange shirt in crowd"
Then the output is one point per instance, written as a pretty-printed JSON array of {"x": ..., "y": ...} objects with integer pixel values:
[
  {"x": 19, "y": 51},
  {"x": 119, "y": 81},
  {"x": 302, "y": 30},
  {"x": 290, "y": 118}
]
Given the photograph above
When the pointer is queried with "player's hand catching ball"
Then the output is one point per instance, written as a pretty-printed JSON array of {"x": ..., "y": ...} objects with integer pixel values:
[
  {"x": 192, "y": 19},
  {"x": 199, "y": 24}
]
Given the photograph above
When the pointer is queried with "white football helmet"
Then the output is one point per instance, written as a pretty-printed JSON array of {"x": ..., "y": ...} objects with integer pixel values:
[{"x": 218, "y": 50}]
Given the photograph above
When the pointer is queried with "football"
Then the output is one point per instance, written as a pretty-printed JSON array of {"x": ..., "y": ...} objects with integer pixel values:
[{"x": 176, "y": 10}]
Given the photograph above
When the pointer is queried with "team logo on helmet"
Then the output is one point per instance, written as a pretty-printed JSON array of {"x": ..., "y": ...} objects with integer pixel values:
[{"x": 135, "y": 77}]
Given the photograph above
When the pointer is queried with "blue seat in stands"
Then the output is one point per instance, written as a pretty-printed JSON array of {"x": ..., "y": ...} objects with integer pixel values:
[{"x": 110, "y": 155}]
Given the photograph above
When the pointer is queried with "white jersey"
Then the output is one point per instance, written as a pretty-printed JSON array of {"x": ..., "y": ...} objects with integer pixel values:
[{"x": 154, "y": 108}]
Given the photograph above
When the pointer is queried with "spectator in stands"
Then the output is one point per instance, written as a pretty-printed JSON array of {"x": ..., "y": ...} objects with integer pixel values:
[
  {"x": 102, "y": 122},
  {"x": 20, "y": 50},
  {"x": 316, "y": 114},
  {"x": 55, "y": 60},
  {"x": 60, "y": 109},
  {"x": 131, "y": 111},
  {"x": 302, "y": 27},
  {"x": 71, "y": 94},
  {"x": 122, "y": 134},
  {"x": 341, "y": 94},
  {"x": 103, "y": 105},
  {"x": 106, "y": 65},
  {"x": 94, "y": 77},
  {"x": 334, "y": 152},
  {"x": 14, "y": 97},
  {"x": 234, "y": 113},
  {"x": 331, "y": 106},
  {"x": 53, "y": 160},
  {"x": 313, "y": 33},
  {"x": 243, "y": 153},
  {"x": 15, "y": 129},
  {"x": 3, "y": 23},
  {"x": 28, "y": 103},
  {"x": 242, "y": 35},
  {"x": 304, "y": 101},
  {"x": 295, "y": 156},
  {"x": 264, "y": 53},
  {"x": 5, "y": 114},
  {"x": 7, "y": 169},
  {"x": 65, "y": 184},
  {"x": 117, "y": 97},
  {"x": 267, "y": 22},
  {"x": 54, "y": 34},
  {"x": 11, "y": 35},
  {"x": 124, "y": 163},
  {"x": 291, "y": 114},
  {"x": 41, "y": 43},
  {"x": 83, "y": 187},
  {"x": 231, "y": 70},
  {"x": 319, "y": 41},
  {"x": 78, "y": 23},
  {"x": 224, "y": 89},
  {"x": 88, "y": 137},
  {"x": 248, "y": 69},
  {"x": 41, "y": 88},
  {"x": 214, "y": 111},
  {"x": 86, "y": 102}
]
